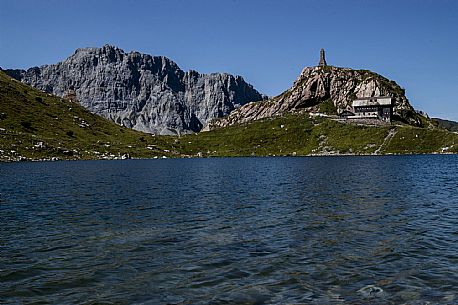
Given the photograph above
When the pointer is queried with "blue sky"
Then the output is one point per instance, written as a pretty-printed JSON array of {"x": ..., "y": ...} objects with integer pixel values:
[{"x": 268, "y": 42}]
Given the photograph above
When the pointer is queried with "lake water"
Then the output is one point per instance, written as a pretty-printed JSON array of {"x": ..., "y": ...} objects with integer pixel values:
[{"x": 318, "y": 230}]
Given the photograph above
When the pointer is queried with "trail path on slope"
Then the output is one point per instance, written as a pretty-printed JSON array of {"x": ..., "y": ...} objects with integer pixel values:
[{"x": 387, "y": 139}]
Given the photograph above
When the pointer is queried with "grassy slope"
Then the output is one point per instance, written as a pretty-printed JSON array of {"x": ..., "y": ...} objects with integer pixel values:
[
  {"x": 422, "y": 140},
  {"x": 302, "y": 135},
  {"x": 28, "y": 116}
]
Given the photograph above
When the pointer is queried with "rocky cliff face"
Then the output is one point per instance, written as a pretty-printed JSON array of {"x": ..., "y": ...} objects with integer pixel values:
[
  {"x": 324, "y": 83},
  {"x": 139, "y": 91}
]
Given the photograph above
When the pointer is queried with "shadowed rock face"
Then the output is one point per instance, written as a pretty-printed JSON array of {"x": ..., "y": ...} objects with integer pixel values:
[
  {"x": 318, "y": 84},
  {"x": 143, "y": 92}
]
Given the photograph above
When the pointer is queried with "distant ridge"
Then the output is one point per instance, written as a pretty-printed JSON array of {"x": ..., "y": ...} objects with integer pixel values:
[{"x": 446, "y": 124}]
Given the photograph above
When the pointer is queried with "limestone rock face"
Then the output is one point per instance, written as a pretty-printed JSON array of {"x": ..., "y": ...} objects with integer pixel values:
[
  {"x": 318, "y": 84},
  {"x": 143, "y": 92}
]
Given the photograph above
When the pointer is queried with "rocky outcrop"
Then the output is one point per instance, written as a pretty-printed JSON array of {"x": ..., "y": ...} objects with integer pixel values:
[
  {"x": 324, "y": 83},
  {"x": 139, "y": 91}
]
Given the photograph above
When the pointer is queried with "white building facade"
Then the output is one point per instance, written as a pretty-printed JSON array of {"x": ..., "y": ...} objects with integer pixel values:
[{"x": 379, "y": 107}]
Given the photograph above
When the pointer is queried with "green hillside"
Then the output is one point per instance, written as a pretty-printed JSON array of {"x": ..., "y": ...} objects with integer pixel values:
[
  {"x": 303, "y": 135},
  {"x": 35, "y": 125}
]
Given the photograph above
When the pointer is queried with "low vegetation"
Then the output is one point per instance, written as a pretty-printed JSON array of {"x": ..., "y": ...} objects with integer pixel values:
[{"x": 38, "y": 126}]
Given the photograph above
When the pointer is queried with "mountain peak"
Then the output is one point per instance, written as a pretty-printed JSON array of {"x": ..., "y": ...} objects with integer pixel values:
[{"x": 140, "y": 91}]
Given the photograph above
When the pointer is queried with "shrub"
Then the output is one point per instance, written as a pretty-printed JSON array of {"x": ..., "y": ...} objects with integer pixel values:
[
  {"x": 328, "y": 107},
  {"x": 26, "y": 124}
]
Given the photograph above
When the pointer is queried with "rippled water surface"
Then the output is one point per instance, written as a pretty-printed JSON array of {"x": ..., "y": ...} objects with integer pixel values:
[{"x": 337, "y": 230}]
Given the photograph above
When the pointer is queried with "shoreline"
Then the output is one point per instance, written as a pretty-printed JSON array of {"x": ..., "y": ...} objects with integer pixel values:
[{"x": 56, "y": 159}]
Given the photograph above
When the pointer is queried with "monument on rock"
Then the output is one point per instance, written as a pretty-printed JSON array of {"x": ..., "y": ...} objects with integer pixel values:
[{"x": 322, "y": 59}]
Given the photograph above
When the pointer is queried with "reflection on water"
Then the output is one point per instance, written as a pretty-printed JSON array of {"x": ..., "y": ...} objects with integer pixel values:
[{"x": 338, "y": 230}]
